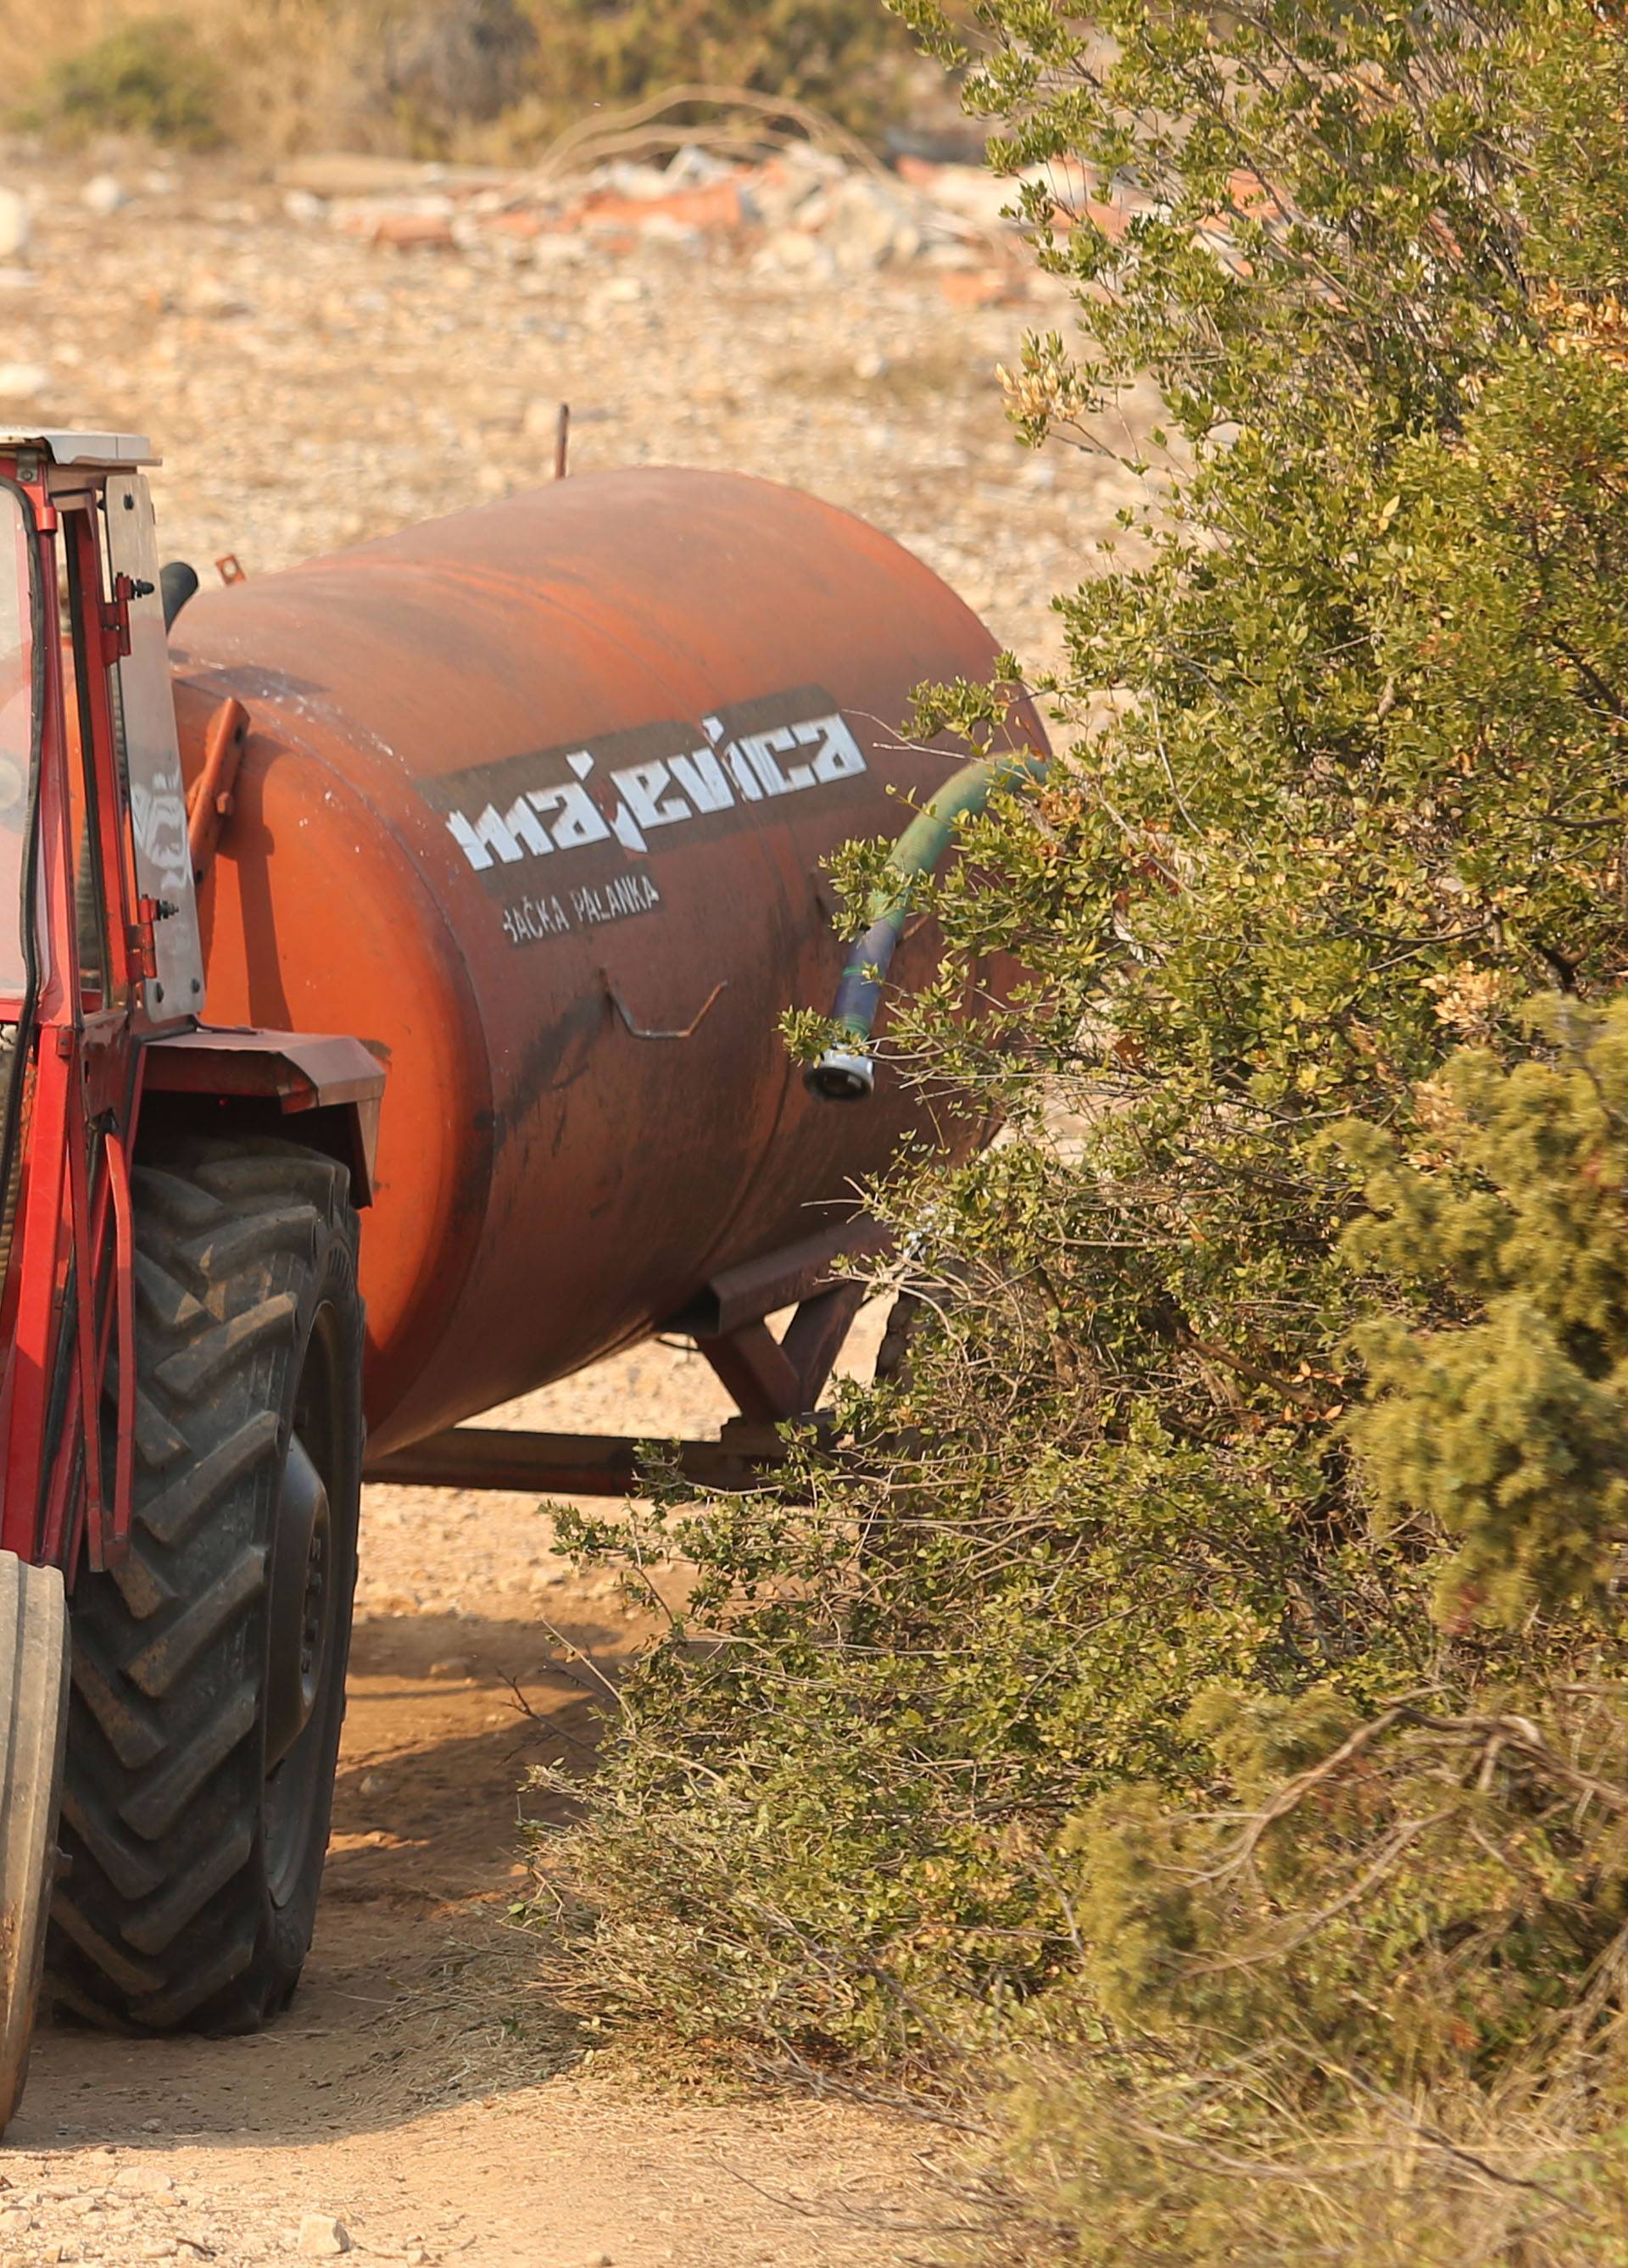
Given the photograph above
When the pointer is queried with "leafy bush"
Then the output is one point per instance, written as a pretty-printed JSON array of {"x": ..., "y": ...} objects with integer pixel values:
[
  {"x": 1196, "y": 1686},
  {"x": 843, "y": 55},
  {"x": 149, "y": 76}
]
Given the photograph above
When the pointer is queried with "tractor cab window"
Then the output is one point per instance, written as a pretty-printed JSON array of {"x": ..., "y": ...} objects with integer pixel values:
[{"x": 17, "y": 731}]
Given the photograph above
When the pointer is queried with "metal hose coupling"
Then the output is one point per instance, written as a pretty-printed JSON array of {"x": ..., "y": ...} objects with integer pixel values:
[{"x": 846, "y": 1072}]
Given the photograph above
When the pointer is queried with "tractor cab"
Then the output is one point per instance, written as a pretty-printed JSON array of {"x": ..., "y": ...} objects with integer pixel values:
[{"x": 77, "y": 520}]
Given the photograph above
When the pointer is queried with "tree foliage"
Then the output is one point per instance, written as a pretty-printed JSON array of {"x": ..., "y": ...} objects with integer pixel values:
[{"x": 1198, "y": 1682}]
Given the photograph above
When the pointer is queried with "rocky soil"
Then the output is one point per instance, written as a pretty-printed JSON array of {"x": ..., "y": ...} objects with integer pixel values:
[
  {"x": 311, "y": 385},
  {"x": 315, "y": 372}
]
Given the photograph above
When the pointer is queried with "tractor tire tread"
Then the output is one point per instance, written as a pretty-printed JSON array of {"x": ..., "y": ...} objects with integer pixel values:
[{"x": 162, "y": 1918}]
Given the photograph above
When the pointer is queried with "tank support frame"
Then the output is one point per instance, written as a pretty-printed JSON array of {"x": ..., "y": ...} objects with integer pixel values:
[{"x": 773, "y": 1382}]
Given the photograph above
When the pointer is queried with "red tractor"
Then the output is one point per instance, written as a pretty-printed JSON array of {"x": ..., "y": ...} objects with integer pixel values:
[{"x": 187, "y": 1777}]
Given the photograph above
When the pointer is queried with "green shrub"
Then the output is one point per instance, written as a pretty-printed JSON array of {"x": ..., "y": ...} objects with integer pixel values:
[
  {"x": 843, "y": 55},
  {"x": 149, "y": 76},
  {"x": 1016, "y": 1729}
]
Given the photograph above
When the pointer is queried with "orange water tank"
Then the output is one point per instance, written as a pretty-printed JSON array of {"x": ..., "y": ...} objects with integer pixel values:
[{"x": 534, "y": 801}]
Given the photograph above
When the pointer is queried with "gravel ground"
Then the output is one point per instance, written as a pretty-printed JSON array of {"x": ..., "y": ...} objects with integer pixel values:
[{"x": 309, "y": 390}]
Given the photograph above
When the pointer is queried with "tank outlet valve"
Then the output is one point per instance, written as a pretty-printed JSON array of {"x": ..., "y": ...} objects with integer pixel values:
[{"x": 842, "y": 1075}]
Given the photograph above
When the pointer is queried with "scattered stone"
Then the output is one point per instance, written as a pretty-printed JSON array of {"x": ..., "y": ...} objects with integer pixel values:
[
  {"x": 551, "y": 250},
  {"x": 714, "y": 205},
  {"x": 146, "y": 2180},
  {"x": 300, "y": 205},
  {"x": 868, "y": 227},
  {"x": 455, "y": 1665},
  {"x": 976, "y": 287},
  {"x": 415, "y": 233},
  {"x": 103, "y": 195},
  {"x": 780, "y": 190},
  {"x": 322, "y": 2238},
  {"x": 372, "y": 1784},
  {"x": 796, "y": 252},
  {"x": 16, "y": 2221},
  {"x": 970, "y": 191},
  {"x": 622, "y": 291},
  {"x": 215, "y": 297},
  {"x": 16, "y": 225},
  {"x": 23, "y": 381},
  {"x": 421, "y": 224}
]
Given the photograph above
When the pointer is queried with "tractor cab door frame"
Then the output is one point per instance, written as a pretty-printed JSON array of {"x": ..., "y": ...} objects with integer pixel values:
[
  {"x": 150, "y": 758},
  {"x": 105, "y": 1008},
  {"x": 108, "y": 962}
]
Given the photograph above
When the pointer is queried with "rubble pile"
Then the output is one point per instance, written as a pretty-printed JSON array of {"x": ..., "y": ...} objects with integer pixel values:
[{"x": 801, "y": 212}]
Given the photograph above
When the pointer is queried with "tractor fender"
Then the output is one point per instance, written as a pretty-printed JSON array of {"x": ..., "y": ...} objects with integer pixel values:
[{"x": 319, "y": 1089}]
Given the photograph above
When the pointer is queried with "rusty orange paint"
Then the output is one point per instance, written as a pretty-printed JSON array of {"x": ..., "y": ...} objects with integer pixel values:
[{"x": 595, "y": 689}]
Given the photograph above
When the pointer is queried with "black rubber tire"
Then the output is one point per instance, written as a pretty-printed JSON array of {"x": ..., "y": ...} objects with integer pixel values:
[
  {"x": 190, "y": 1890},
  {"x": 33, "y": 1724}
]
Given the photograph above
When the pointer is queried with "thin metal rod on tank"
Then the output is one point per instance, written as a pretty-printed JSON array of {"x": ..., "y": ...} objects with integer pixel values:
[
  {"x": 639, "y": 1032},
  {"x": 562, "y": 440},
  {"x": 846, "y": 1072}
]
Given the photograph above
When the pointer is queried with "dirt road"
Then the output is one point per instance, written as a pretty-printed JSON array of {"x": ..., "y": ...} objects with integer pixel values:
[{"x": 423, "y": 2092}]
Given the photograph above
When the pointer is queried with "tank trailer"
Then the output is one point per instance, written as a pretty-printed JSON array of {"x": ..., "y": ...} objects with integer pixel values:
[{"x": 391, "y": 957}]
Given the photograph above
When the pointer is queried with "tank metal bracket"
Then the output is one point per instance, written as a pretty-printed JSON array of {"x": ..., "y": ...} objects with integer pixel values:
[
  {"x": 781, "y": 1278},
  {"x": 772, "y": 1381},
  {"x": 574, "y": 1464},
  {"x": 642, "y": 1031}
]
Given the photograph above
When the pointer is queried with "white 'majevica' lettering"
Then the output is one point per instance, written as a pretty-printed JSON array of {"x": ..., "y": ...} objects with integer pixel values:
[{"x": 786, "y": 760}]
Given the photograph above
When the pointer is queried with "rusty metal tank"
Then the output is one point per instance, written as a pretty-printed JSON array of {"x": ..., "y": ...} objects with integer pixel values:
[{"x": 534, "y": 801}]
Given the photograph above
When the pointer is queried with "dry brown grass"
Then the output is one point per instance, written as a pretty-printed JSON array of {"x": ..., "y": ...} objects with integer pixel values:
[
  {"x": 294, "y": 73},
  {"x": 482, "y": 79}
]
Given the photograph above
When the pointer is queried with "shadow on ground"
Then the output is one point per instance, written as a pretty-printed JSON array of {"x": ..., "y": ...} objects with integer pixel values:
[{"x": 422, "y": 1988}]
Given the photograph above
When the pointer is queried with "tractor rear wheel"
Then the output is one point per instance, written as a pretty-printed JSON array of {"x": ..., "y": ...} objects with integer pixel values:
[
  {"x": 209, "y": 1667},
  {"x": 33, "y": 1724}
]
